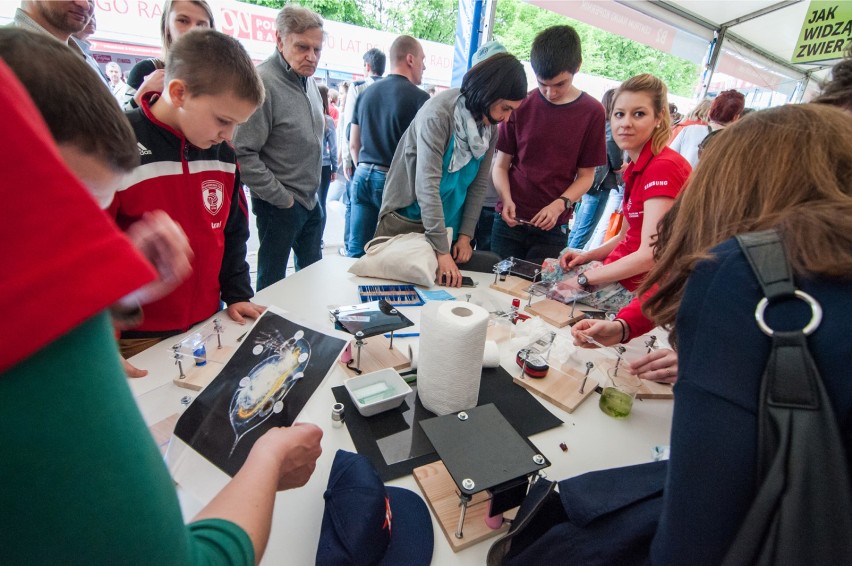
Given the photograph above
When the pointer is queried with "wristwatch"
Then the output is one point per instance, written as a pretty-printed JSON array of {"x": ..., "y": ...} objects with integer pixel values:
[
  {"x": 583, "y": 281},
  {"x": 567, "y": 202}
]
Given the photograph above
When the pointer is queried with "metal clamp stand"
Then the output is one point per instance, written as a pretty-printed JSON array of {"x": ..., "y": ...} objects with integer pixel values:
[
  {"x": 183, "y": 350},
  {"x": 463, "y": 501},
  {"x": 359, "y": 343},
  {"x": 538, "y": 289},
  {"x": 651, "y": 343},
  {"x": 217, "y": 327},
  {"x": 178, "y": 356},
  {"x": 514, "y": 266}
]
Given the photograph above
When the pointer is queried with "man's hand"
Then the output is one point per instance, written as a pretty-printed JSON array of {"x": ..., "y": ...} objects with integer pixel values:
[
  {"x": 132, "y": 371},
  {"x": 547, "y": 217},
  {"x": 508, "y": 214},
  {"x": 293, "y": 450},
  {"x": 164, "y": 244},
  {"x": 244, "y": 309}
]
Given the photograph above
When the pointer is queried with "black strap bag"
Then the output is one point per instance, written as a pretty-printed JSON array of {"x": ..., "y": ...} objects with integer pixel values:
[{"x": 802, "y": 513}]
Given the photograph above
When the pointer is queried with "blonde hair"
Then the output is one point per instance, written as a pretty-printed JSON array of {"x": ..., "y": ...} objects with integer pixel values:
[
  {"x": 743, "y": 184},
  {"x": 701, "y": 110},
  {"x": 166, "y": 34},
  {"x": 658, "y": 92}
]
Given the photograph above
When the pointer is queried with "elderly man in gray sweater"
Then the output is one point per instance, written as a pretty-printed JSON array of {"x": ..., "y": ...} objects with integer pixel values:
[{"x": 279, "y": 149}]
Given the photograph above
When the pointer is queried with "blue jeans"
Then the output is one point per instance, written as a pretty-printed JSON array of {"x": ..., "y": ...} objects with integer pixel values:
[
  {"x": 482, "y": 234},
  {"x": 591, "y": 209},
  {"x": 347, "y": 215},
  {"x": 322, "y": 192},
  {"x": 283, "y": 229},
  {"x": 526, "y": 242},
  {"x": 368, "y": 184}
]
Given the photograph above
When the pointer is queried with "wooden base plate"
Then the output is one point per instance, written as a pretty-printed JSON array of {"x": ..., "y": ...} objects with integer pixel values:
[
  {"x": 442, "y": 496},
  {"x": 560, "y": 387},
  {"x": 513, "y": 285},
  {"x": 163, "y": 430},
  {"x": 649, "y": 389},
  {"x": 199, "y": 377},
  {"x": 553, "y": 312},
  {"x": 655, "y": 390},
  {"x": 377, "y": 354}
]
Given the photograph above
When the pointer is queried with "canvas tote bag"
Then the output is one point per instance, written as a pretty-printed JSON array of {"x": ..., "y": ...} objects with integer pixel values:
[{"x": 405, "y": 257}]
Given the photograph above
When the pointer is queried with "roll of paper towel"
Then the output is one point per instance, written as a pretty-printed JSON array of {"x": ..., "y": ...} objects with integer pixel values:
[
  {"x": 490, "y": 359},
  {"x": 452, "y": 345}
]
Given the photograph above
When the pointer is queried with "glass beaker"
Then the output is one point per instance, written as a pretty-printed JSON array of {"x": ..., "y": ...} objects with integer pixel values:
[{"x": 619, "y": 392}]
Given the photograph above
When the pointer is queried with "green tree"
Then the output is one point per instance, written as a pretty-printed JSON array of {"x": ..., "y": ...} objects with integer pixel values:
[
  {"x": 605, "y": 54},
  {"x": 433, "y": 20},
  {"x": 516, "y": 24}
]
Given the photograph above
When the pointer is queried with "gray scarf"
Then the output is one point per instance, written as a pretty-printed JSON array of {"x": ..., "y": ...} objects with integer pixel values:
[{"x": 472, "y": 139}]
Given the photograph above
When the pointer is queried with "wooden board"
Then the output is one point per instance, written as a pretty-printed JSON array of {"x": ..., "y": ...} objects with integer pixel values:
[
  {"x": 560, "y": 387},
  {"x": 377, "y": 354},
  {"x": 442, "y": 496},
  {"x": 513, "y": 285},
  {"x": 655, "y": 390},
  {"x": 553, "y": 312},
  {"x": 163, "y": 430},
  {"x": 199, "y": 377}
]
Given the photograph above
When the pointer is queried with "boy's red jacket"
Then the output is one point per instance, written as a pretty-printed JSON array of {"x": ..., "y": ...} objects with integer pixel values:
[{"x": 201, "y": 190}]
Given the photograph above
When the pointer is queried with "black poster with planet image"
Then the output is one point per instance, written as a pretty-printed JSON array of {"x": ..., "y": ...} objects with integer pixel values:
[{"x": 266, "y": 383}]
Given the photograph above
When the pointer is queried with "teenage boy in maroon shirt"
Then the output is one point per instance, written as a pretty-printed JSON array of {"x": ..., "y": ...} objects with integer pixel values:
[{"x": 546, "y": 153}]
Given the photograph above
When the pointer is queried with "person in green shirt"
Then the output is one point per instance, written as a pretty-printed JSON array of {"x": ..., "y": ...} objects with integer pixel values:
[{"x": 83, "y": 481}]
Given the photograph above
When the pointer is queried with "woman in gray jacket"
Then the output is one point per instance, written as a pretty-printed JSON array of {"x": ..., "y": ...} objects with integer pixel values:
[{"x": 439, "y": 171}]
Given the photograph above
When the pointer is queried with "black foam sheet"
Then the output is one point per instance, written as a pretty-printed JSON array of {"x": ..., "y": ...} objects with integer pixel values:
[{"x": 395, "y": 442}]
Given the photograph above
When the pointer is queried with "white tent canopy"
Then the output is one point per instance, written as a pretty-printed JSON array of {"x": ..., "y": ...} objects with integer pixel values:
[
  {"x": 763, "y": 30},
  {"x": 752, "y": 40}
]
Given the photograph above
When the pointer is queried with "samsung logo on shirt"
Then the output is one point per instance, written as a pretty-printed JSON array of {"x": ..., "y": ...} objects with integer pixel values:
[{"x": 656, "y": 184}]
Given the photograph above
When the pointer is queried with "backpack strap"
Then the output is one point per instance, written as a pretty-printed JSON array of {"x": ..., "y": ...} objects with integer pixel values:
[
  {"x": 767, "y": 259},
  {"x": 797, "y": 433}
]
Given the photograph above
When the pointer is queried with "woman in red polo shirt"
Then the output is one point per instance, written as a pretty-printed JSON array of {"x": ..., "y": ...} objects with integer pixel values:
[{"x": 641, "y": 126}]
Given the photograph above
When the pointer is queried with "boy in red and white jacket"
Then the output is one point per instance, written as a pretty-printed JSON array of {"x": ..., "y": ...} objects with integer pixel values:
[{"x": 189, "y": 170}]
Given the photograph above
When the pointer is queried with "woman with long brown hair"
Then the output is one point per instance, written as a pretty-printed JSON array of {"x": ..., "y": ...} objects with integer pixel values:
[{"x": 800, "y": 185}]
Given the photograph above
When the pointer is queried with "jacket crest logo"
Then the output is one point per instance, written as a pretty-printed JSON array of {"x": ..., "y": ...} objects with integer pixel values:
[{"x": 212, "y": 192}]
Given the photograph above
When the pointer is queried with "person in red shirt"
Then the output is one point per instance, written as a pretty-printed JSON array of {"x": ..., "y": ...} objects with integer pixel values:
[{"x": 641, "y": 126}]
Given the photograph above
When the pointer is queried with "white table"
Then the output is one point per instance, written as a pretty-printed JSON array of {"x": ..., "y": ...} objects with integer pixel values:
[{"x": 594, "y": 440}]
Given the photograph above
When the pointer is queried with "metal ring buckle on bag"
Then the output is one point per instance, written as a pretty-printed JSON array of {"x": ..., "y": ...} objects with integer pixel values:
[{"x": 816, "y": 314}]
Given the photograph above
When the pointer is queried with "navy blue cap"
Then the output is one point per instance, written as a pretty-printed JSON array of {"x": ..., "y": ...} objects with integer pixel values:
[{"x": 368, "y": 523}]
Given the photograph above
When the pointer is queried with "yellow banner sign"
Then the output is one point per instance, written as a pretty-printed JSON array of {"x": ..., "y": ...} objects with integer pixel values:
[{"x": 826, "y": 31}]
